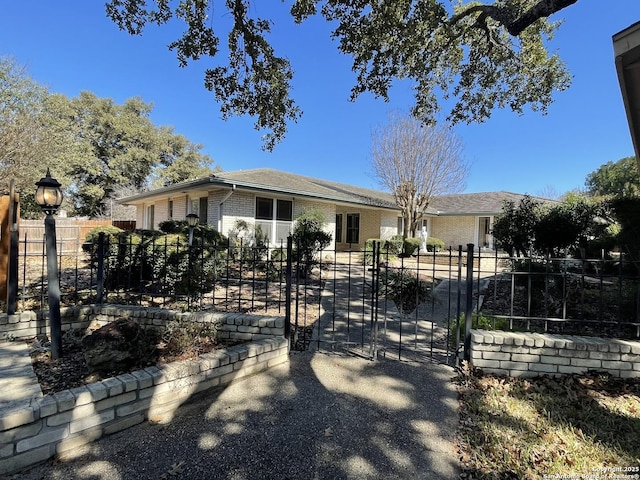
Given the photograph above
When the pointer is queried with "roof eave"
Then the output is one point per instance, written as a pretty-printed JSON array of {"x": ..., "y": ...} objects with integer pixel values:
[
  {"x": 626, "y": 46},
  {"x": 255, "y": 187}
]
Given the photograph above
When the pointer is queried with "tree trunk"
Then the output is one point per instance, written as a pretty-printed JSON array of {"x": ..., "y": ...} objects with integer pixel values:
[{"x": 406, "y": 225}]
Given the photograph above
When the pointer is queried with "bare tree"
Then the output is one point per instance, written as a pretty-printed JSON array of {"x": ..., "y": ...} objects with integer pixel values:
[
  {"x": 416, "y": 162},
  {"x": 550, "y": 192}
]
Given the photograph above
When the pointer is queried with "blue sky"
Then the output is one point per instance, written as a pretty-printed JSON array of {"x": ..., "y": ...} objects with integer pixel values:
[{"x": 71, "y": 46}]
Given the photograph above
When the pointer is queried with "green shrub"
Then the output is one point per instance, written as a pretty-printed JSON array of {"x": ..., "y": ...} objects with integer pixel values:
[
  {"x": 279, "y": 255},
  {"x": 110, "y": 231},
  {"x": 405, "y": 288},
  {"x": 111, "y": 235},
  {"x": 411, "y": 246},
  {"x": 480, "y": 321},
  {"x": 310, "y": 238},
  {"x": 367, "y": 251},
  {"x": 170, "y": 226},
  {"x": 162, "y": 263},
  {"x": 388, "y": 249},
  {"x": 395, "y": 244},
  {"x": 434, "y": 244},
  {"x": 248, "y": 242}
]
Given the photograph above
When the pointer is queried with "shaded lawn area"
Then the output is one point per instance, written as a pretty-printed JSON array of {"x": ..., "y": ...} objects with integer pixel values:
[{"x": 526, "y": 428}]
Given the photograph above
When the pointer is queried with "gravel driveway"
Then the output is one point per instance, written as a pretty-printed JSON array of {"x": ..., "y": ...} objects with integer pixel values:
[{"x": 321, "y": 416}]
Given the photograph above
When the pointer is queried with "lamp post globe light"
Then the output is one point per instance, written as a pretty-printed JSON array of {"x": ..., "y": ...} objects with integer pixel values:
[
  {"x": 49, "y": 197},
  {"x": 192, "y": 221}
]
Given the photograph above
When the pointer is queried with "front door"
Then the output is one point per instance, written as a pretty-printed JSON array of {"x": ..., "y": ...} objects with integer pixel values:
[{"x": 485, "y": 239}]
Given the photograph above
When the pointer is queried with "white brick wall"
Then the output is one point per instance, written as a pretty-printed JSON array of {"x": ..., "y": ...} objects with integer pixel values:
[
  {"x": 388, "y": 225},
  {"x": 532, "y": 354},
  {"x": 161, "y": 213},
  {"x": 453, "y": 231},
  {"x": 179, "y": 207},
  {"x": 241, "y": 206}
]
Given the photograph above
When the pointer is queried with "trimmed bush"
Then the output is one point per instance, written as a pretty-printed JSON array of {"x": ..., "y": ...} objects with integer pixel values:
[
  {"x": 171, "y": 226},
  {"x": 310, "y": 238},
  {"x": 93, "y": 234},
  {"x": 411, "y": 246},
  {"x": 162, "y": 263},
  {"x": 395, "y": 244},
  {"x": 434, "y": 244},
  {"x": 387, "y": 249}
]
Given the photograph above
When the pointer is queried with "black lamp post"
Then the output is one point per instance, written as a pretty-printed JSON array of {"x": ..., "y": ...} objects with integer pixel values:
[
  {"x": 49, "y": 197},
  {"x": 192, "y": 221}
]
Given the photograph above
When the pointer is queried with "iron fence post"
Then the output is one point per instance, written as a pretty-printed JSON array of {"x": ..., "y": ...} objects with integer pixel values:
[
  {"x": 53, "y": 293},
  {"x": 100, "y": 272},
  {"x": 287, "y": 289},
  {"x": 468, "y": 304}
]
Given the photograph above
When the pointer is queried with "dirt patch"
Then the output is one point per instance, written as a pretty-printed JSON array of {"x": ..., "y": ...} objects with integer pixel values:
[{"x": 71, "y": 370}]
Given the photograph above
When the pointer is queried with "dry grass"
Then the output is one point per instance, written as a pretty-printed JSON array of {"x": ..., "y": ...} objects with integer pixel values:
[{"x": 526, "y": 429}]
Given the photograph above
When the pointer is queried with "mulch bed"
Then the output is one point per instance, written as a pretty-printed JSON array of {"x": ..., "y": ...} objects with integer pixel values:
[{"x": 71, "y": 371}]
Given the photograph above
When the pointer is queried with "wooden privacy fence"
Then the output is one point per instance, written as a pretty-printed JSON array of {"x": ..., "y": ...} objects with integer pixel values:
[
  {"x": 9, "y": 218},
  {"x": 70, "y": 234}
]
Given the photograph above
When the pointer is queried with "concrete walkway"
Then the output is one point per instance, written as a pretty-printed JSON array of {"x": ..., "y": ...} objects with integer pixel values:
[{"x": 427, "y": 333}]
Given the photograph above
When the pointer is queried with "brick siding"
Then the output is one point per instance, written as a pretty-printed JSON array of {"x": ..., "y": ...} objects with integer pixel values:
[
  {"x": 453, "y": 231},
  {"x": 241, "y": 206}
]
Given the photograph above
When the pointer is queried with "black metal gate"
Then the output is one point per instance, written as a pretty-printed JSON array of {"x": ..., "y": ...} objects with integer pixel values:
[{"x": 377, "y": 305}]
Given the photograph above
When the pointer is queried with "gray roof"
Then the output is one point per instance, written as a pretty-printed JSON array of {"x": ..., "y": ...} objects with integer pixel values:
[
  {"x": 310, "y": 187},
  {"x": 485, "y": 203},
  {"x": 276, "y": 181}
]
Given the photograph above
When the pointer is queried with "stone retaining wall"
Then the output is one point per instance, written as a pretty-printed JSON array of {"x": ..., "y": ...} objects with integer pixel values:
[
  {"x": 531, "y": 354},
  {"x": 35, "y": 430}
]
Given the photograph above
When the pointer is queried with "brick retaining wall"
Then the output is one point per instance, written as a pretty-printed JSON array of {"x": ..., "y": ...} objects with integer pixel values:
[
  {"x": 531, "y": 354},
  {"x": 35, "y": 430},
  {"x": 244, "y": 327}
]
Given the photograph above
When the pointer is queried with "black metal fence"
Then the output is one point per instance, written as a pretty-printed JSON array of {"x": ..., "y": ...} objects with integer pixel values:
[
  {"x": 591, "y": 296},
  {"x": 374, "y": 302}
]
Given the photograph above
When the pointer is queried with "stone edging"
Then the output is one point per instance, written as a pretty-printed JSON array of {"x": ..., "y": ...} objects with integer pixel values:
[{"x": 531, "y": 354}]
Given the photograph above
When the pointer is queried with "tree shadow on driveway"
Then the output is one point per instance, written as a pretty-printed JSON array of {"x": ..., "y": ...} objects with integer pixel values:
[{"x": 318, "y": 416}]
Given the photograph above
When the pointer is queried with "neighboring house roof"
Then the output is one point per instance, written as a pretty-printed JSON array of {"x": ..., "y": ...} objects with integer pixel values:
[
  {"x": 275, "y": 181},
  {"x": 486, "y": 203},
  {"x": 267, "y": 180}
]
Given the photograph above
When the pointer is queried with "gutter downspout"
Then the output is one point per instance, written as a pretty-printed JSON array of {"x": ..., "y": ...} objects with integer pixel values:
[{"x": 233, "y": 189}]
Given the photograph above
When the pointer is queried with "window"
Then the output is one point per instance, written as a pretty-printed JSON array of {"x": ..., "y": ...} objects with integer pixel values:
[
  {"x": 284, "y": 211},
  {"x": 400, "y": 225},
  {"x": 150, "y": 216},
  {"x": 203, "y": 210},
  {"x": 170, "y": 210},
  {"x": 484, "y": 232},
  {"x": 275, "y": 222},
  {"x": 353, "y": 228},
  {"x": 338, "y": 228},
  {"x": 195, "y": 206},
  {"x": 264, "y": 208}
]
